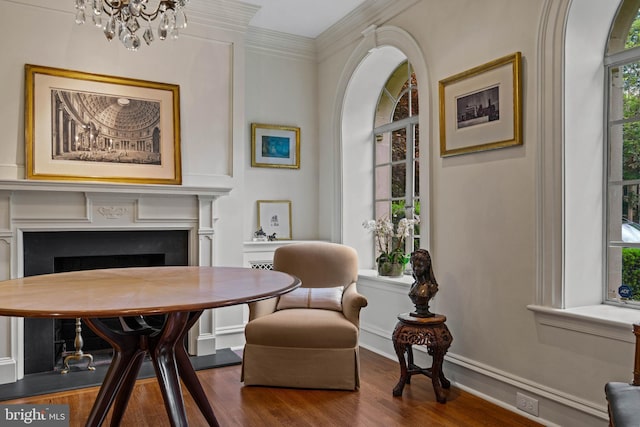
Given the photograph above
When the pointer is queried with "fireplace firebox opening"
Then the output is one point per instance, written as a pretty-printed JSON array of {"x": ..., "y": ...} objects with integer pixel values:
[{"x": 55, "y": 252}]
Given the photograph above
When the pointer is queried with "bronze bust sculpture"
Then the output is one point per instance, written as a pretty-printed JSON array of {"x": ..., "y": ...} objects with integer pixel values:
[{"x": 425, "y": 286}]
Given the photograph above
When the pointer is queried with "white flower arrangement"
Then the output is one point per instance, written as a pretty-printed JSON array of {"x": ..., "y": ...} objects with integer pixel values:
[{"x": 390, "y": 239}]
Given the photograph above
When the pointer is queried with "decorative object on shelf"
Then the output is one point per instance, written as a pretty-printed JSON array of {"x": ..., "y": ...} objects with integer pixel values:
[
  {"x": 259, "y": 235},
  {"x": 123, "y": 18},
  {"x": 275, "y": 146},
  {"x": 481, "y": 108},
  {"x": 425, "y": 285},
  {"x": 91, "y": 127},
  {"x": 390, "y": 240},
  {"x": 391, "y": 269},
  {"x": 274, "y": 218}
]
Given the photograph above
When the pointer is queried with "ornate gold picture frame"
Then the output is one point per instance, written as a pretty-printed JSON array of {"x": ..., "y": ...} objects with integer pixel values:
[
  {"x": 481, "y": 108},
  {"x": 274, "y": 146},
  {"x": 92, "y": 127}
]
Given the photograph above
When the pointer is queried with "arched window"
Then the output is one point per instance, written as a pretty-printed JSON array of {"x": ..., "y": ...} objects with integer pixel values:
[
  {"x": 396, "y": 151},
  {"x": 622, "y": 66}
]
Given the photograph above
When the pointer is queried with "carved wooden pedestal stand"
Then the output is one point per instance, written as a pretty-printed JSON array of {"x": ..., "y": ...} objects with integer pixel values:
[{"x": 431, "y": 332}]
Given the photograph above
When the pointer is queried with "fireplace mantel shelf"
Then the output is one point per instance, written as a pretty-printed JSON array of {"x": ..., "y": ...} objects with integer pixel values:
[{"x": 101, "y": 187}]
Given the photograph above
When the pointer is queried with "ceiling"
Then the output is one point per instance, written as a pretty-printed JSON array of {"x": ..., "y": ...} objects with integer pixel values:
[{"x": 308, "y": 18}]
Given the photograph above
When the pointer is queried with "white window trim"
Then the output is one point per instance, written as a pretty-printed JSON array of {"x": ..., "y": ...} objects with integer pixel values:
[
  {"x": 570, "y": 279},
  {"x": 354, "y": 133}
]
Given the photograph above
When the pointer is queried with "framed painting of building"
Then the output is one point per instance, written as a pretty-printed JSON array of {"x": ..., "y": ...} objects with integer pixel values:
[
  {"x": 91, "y": 127},
  {"x": 481, "y": 108}
]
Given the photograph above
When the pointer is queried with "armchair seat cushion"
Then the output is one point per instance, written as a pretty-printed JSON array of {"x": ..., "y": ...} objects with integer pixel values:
[{"x": 305, "y": 328}]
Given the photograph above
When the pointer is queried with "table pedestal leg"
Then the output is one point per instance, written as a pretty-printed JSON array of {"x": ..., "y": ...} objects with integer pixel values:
[
  {"x": 170, "y": 361},
  {"x": 125, "y": 351}
]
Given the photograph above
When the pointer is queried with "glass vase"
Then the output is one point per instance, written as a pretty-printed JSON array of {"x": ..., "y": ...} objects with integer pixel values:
[{"x": 390, "y": 269}]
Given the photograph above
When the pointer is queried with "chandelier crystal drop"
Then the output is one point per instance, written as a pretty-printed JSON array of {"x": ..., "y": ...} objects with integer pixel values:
[{"x": 123, "y": 19}]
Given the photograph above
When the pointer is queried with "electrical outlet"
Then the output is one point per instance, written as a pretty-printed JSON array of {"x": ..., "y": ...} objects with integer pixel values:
[{"x": 527, "y": 404}]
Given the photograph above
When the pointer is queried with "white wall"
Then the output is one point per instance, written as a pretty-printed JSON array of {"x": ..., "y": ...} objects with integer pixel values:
[
  {"x": 484, "y": 235},
  {"x": 281, "y": 90}
]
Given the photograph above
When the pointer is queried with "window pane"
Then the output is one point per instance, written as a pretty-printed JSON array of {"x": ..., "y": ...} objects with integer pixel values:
[
  {"x": 402, "y": 110},
  {"x": 631, "y": 151},
  {"x": 624, "y": 274},
  {"x": 624, "y": 151},
  {"x": 630, "y": 197},
  {"x": 624, "y": 101},
  {"x": 399, "y": 151},
  {"x": 397, "y": 210},
  {"x": 399, "y": 180},
  {"x": 384, "y": 109},
  {"x": 383, "y": 210},
  {"x": 383, "y": 182},
  {"x": 625, "y": 34},
  {"x": 630, "y": 87},
  {"x": 633, "y": 38},
  {"x": 382, "y": 148}
]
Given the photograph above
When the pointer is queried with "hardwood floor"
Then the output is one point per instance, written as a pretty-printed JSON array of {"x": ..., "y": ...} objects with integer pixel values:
[{"x": 236, "y": 405}]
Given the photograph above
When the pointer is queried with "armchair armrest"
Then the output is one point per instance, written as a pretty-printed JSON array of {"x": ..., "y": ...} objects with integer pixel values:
[
  {"x": 262, "y": 308},
  {"x": 352, "y": 302}
]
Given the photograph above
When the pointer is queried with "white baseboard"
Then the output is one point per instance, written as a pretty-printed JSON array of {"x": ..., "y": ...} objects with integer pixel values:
[
  {"x": 556, "y": 408},
  {"x": 8, "y": 370}
]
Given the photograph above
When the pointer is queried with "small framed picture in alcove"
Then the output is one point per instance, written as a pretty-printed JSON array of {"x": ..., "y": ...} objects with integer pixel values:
[
  {"x": 274, "y": 218},
  {"x": 274, "y": 146}
]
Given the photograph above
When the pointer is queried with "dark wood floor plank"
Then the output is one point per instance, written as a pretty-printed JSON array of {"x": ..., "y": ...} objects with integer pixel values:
[{"x": 239, "y": 406}]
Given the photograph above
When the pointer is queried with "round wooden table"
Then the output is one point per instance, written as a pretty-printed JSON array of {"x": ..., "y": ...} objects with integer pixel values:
[{"x": 180, "y": 293}]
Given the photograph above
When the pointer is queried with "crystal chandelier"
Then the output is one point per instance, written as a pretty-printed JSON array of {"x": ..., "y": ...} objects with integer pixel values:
[{"x": 123, "y": 18}]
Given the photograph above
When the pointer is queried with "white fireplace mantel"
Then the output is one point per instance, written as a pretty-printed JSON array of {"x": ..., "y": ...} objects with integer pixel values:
[
  {"x": 107, "y": 187},
  {"x": 34, "y": 205}
]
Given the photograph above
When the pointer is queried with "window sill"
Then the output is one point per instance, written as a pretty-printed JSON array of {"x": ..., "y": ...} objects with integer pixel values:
[
  {"x": 603, "y": 320},
  {"x": 372, "y": 275}
]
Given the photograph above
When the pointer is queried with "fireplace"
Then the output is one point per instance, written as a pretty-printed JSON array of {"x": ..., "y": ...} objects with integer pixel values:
[
  {"x": 60, "y": 251},
  {"x": 106, "y": 212}
]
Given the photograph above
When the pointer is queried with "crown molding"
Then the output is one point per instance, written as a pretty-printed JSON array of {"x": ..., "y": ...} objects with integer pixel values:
[
  {"x": 224, "y": 14},
  {"x": 350, "y": 28},
  {"x": 280, "y": 44}
]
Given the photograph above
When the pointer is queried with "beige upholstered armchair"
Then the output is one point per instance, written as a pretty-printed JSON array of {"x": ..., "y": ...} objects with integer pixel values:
[{"x": 308, "y": 338}]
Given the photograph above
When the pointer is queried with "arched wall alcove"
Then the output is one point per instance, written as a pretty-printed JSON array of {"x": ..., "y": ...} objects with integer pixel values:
[{"x": 364, "y": 76}]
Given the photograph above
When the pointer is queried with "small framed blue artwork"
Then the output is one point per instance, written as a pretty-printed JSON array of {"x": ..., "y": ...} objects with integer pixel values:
[{"x": 274, "y": 146}]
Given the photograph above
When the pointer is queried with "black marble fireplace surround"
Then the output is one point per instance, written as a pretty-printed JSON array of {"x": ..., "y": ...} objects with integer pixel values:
[{"x": 59, "y": 251}]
